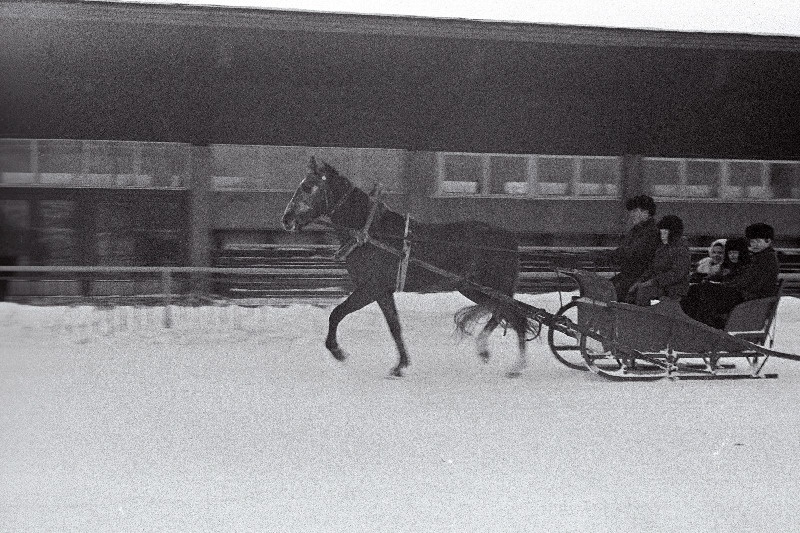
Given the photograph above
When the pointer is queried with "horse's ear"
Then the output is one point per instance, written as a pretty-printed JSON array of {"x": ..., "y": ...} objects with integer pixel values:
[{"x": 312, "y": 165}]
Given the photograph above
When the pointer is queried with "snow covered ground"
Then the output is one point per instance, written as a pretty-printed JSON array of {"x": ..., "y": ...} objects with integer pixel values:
[{"x": 237, "y": 419}]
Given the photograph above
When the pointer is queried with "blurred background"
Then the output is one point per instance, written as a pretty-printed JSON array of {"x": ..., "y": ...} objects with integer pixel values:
[{"x": 172, "y": 136}]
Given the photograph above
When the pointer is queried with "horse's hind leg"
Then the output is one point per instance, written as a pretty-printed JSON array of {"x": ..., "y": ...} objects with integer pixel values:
[
  {"x": 387, "y": 305},
  {"x": 483, "y": 337},
  {"x": 520, "y": 326},
  {"x": 358, "y": 299}
]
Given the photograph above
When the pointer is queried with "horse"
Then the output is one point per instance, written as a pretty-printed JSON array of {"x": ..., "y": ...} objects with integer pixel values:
[{"x": 476, "y": 254}]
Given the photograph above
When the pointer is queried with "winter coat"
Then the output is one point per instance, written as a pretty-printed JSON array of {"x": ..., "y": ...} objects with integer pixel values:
[
  {"x": 669, "y": 271},
  {"x": 634, "y": 255},
  {"x": 758, "y": 278}
]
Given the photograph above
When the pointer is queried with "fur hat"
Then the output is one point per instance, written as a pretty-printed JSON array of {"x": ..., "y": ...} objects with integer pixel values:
[
  {"x": 759, "y": 231},
  {"x": 672, "y": 223},
  {"x": 738, "y": 244},
  {"x": 641, "y": 202}
]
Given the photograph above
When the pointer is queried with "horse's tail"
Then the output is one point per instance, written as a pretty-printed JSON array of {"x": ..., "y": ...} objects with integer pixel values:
[{"x": 467, "y": 318}]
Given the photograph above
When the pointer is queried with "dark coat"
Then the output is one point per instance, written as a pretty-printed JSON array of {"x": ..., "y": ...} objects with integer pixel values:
[
  {"x": 669, "y": 271},
  {"x": 634, "y": 255},
  {"x": 758, "y": 278}
]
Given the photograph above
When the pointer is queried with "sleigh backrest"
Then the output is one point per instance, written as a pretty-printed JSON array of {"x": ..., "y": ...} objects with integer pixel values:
[{"x": 752, "y": 320}]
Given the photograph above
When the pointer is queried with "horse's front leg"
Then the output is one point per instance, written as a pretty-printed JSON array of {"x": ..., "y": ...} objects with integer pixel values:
[
  {"x": 387, "y": 305},
  {"x": 358, "y": 299}
]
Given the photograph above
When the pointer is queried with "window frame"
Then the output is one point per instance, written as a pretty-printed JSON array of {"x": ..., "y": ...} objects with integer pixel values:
[
  {"x": 572, "y": 187},
  {"x": 721, "y": 189},
  {"x": 131, "y": 175}
]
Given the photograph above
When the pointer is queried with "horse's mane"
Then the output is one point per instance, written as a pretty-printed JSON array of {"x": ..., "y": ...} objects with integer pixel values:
[{"x": 328, "y": 169}]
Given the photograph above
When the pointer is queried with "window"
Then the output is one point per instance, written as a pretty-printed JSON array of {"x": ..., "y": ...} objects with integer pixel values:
[
  {"x": 285, "y": 166},
  {"x": 528, "y": 175},
  {"x": 694, "y": 178},
  {"x": 110, "y": 163},
  {"x": 236, "y": 167},
  {"x": 702, "y": 177},
  {"x": 463, "y": 173},
  {"x": 662, "y": 176},
  {"x": 75, "y": 163},
  {"x": 722, "y": 178},
  {"x": 164, "y": 164},
  {"x": 784, "y": 179},
  {"x": 599, "y": 176},
  {"x": 554, "y": 174},
  {"x": 744, "y": 179},
  {"x": 60, "y": 161},
  {"x": 509, "y": 175},
  {"x": 17, "y": 164}
]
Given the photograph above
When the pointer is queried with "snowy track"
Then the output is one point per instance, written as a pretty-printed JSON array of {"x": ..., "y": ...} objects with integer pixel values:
[{"x": 237, "y": 419}]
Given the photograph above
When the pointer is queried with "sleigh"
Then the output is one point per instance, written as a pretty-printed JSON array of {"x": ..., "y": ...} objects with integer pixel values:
[{"x": 627, "y": 342}]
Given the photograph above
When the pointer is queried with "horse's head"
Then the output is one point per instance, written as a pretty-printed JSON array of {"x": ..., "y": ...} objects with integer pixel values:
[{"x": 320, "y": 193}]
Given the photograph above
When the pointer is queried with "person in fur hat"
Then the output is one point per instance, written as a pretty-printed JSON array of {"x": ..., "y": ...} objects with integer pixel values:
[
  {"x": 756, "y": 279},
  {"x": 635, "y": 253},
  {"x": 668, "y": 275},
  {"x": 759, "y": 278}
]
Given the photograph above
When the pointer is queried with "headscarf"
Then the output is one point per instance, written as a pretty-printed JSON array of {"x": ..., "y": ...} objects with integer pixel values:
[{"x": 705, "y": 266}]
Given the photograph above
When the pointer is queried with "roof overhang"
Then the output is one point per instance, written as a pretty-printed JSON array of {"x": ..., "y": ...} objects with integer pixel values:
[{"x": 401, "y": 26}]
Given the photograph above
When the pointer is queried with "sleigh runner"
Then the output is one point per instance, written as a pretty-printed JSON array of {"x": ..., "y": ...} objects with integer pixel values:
[{"x": 614, "y": 340}]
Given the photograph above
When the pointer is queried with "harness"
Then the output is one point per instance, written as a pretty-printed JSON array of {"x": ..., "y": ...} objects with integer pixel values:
[
  {"x": 359, "y": 237},
  {"x": 341, "y": 201}
]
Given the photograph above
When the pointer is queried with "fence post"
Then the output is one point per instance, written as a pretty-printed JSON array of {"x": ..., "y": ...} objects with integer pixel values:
[{"x": 166, "y": 280}]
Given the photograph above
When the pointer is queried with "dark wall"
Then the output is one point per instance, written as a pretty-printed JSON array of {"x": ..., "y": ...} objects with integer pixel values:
[
  {"x": 98, "y": 80},
  {"x": 117, "y": 227},
  {"x": 202, "y": 79}
]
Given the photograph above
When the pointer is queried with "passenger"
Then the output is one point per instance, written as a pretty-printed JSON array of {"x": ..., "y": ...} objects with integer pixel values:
[
  {"x": 635, "y": 253},
  {"x": 668, "y": 276},
  {"x": 711, "y": 265},
  {"x": 757, "y": 278},
  {"x": 737, "y": 256}
]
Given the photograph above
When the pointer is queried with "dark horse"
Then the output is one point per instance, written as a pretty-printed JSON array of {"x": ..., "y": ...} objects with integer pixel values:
[{"x": 475, "y": 252}]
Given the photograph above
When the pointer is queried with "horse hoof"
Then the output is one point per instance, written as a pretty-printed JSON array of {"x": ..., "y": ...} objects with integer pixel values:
[
  {"x": 338, "y": 354},
  {"x": 516, "y": 371},
  {"x": 484, "y": 355},
  {"x": 396, "y": 372}
]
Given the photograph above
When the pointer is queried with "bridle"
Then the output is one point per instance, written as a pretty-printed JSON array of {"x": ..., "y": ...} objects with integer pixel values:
[{"x": 328, "y": 211}]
